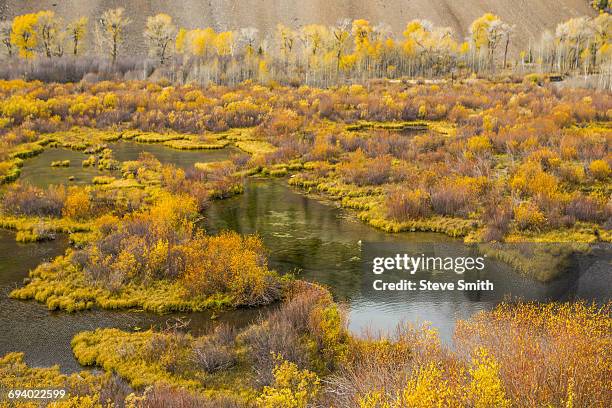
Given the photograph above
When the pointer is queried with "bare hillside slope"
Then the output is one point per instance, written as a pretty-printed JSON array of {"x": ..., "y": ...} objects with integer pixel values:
[{"x": 530, "y": 16}]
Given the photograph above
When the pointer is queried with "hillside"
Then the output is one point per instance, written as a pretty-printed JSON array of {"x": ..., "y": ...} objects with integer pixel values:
[{"x": 530, "y": 17}]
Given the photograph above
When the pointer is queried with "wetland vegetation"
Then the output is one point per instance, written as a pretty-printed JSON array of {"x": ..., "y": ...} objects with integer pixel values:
[
  {"x": 230, "y": 184},
  {"x": 478, "y": 174}
]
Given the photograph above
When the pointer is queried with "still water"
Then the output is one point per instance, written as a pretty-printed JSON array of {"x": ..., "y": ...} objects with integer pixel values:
[
  {"x": 126, "y": 150},
  {"x": 38, "y": 171},
  {"x": 317, "y": 241},
  {"x": 324, "y": 243}
]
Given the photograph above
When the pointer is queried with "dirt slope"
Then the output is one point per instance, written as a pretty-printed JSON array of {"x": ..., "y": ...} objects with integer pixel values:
[{"x": 530, "y": 17}]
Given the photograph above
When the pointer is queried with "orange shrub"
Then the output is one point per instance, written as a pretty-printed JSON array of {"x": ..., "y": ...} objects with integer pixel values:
[
  {"x": 456, "y": 196},
  {"x": 531, "y": 180},
  {"x": 547, "y": 354},
  {"x": 363, "y": 171},
  {"x": 228, "y": 263}
]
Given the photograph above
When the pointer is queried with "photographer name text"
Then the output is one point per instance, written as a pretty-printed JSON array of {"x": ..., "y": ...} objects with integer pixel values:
[{"x": 425, "y": 285}]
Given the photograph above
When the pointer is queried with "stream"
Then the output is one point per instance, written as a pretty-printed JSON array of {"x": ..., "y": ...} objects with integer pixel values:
[{"x": 317, "y": 241}]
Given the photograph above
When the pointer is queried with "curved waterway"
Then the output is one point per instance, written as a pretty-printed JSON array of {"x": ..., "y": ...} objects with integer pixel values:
[
  {"x": 323, "y": 243},
  {"x": 44, "y": 336},
  {"x": 315, "y": 240}
]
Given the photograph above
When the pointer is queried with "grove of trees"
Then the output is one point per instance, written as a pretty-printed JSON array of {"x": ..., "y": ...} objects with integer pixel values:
[{"x": 315, "y": 54}]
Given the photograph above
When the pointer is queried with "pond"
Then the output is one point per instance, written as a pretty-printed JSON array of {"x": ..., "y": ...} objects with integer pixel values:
[
  {"x": 126, "y": 150},
  {"x": 38, "y": 171}
]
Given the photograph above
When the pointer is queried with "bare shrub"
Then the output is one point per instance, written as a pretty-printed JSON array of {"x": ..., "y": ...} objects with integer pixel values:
[
  {"x": 382, "y": 361},
  {"x": 170, "y": 348},
  {"x": 163, "y": 396},
  {"x": 269, "y": 339},
  {"x": 497, "y": 217},
  {"x": 403, "y": 205},
  {"x": 25, "y": 199},
  {"x": 225, "y": 334},
  {"x": 545, "y": 351},
  {"x": 114, "y": 389},
  {"x": 363, "y": 171},
  {"x": 281, "y": 333},
  {"x": 66, "y": 70},
  {"x": 240, "y": 159},
  {"x": 212, "y": 356},
  {"x": 452, "y": 201},
  {"x": 585, "y": 209}
]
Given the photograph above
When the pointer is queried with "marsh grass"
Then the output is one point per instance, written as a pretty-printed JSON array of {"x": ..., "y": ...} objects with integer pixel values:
[
  {"x": 255, "y": 147},
  {"x": 62, "y": 286}
]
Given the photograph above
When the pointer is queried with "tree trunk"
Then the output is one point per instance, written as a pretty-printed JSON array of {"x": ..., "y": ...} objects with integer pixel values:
[{"x": 506, "y": 50}]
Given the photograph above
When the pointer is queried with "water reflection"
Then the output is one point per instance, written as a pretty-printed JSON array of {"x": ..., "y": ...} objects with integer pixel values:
[
  {"x": 127, "y": 150},
  {"x": 319, "y": 242},
  {"x": 324, "y": 243},
  {"x": 38, "y": 171}
]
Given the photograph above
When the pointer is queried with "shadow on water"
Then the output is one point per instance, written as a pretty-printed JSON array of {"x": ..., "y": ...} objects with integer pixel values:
[{"x": 325, "y": 244}]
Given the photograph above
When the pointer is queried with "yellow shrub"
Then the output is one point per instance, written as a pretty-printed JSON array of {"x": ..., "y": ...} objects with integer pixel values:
[
  {"x": 428, "y": 389},
  {"x": 292, "y": 388},
  {"x": 479, "y": 144},
  {"x": 572, "y": 173},
  {"x": 328, "y": 325},
  {"x": 531, "y": 180},
  {"x": 422, "y": 111},
  {"x": 486, "y": 387},
  {"x": 77, "y": 204},
  {"x": 599, "y": 169},
  {"x": 110, "y": 100},
  {"x": 227, "y": 263},
  {"x": 528, "y": 216}
]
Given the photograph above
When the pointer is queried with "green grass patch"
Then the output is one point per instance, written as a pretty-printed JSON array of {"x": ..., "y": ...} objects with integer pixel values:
[
  {"x": 10, "y": 170},
  {"x": 103, "y": 180},
  {"x": 57, "y": 225},
  {"x": 238, "y": 134},
  {"x": 189, "y": 144},
  {"x": 541, "y": 261},
  {"x": 209, "y": 166},
  {"x": 27, "y": 150},
  {"x": 60, "y": 163},
  {"x": 82, "y": 389},
  {"x": 255, "y": 146},
  {"x": 151, "y": 137}
]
